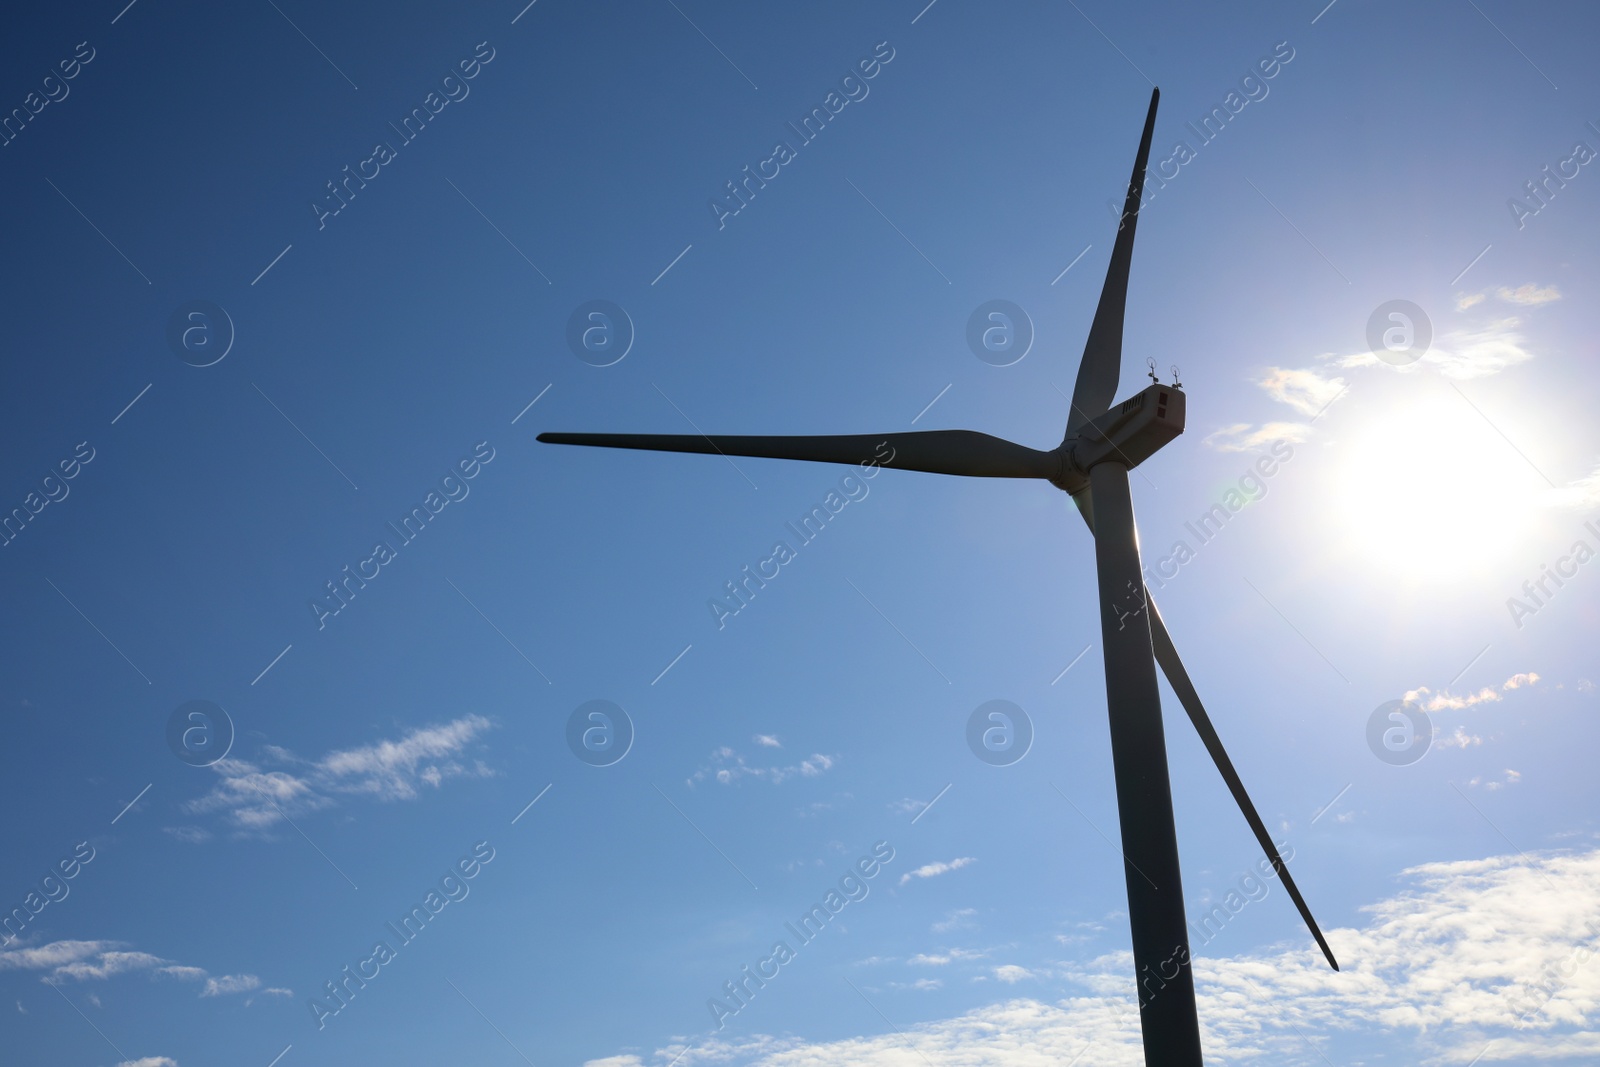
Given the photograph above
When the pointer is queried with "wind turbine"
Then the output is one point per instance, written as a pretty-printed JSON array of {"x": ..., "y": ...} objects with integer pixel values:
[{"x": 1102, "y": 443}]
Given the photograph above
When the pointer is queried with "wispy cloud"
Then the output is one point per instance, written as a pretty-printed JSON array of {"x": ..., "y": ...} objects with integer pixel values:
[
  {"x": 1529, "y": 295},
  {"x": 767, "y": 741},
  {"x": 55, "y": 954},
  {"x": 1011, "y": 974},
  {"x": 150, "y": 1061},
  {"x": 1459, "y": 739},
  {"x": 84, "y": 961},
  {"x": 1469, "y": 352},
  {"x": 728, "y": 766},
  {"x": 958, "y": 919},
  {"x": 1463, "y": 353},
  {"x": 254, "y": 798},
  {"x": 1493, "y": 952},
  {"x": 1243, "y": 437},
  {"x": 1511, "y": 778},
  {"x": 1431, "y": 701},
  {"x": 933, "y": 870},
  {"x": 1582, "y": 494},
  {"x": 1307, "y": 391},
  {"x": 189, "y": 835},
  {"x": 939, "y": 959},
  {"x": 1479, "y": 352},
  {"x": 1443, "y": 700},
  {"x": 110, "y": 964},
  {"x": 229, "y": 984},
  {"x": 391, "y": 770},
  {"x": 837, "y": 802}
]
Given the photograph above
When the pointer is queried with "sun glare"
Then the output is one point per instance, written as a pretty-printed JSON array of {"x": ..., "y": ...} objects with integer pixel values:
[{"x": 1434, "y": 492}]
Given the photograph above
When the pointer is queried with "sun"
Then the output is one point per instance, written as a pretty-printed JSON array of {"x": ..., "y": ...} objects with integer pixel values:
[{"x": 1433, "y": 492}]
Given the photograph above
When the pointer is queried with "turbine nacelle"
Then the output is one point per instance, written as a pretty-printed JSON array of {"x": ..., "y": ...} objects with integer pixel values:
[{"x": 1128, "y": 434}]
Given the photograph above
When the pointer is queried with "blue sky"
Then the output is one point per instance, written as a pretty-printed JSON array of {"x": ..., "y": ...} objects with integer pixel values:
[{"x": 174, "y": 524}]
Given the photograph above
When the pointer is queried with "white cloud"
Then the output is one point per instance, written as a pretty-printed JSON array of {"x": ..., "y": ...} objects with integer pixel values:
[
  {"x": 1455, "y": 962},
  {"x": 254, "y": 799},
  {"x": 1242, "y": 437},
  {"x": 229, "y": 984},
  {"x": 1431, "y": 701},
  {"x": 1478, "y": 353},
  {"x": 112, "y": 962},
  {"x": 107, "y": 965},
  {"x": 150, "y": 1061},
  {"x": 838, "y": 802},
  {"x": 1470, "y": 352},
  {"x": 920, "y": 983},
  {"x": 1307, "y": 391},
  {"x": 1582, "y": 494},
  {"x": 84, "y": 961},
  {"x": 728, "y": 766},
  {"x": 55, "y": 954},
  {"x": 924, "y": 959},
  {"x": 1011, "y": 974},
  {"x": 189, "y": 835},
  {"x": 933, "y": 870},
  {"x": 277, "y": 991},
  {"x": 1444, "y": 701},
  {"x": 1459, "y": 739},
  {"x": 1529, "y": 295},
  {"x": 390, "y": 770},
  {"x": 959, "y": 919},
  {"x": 1511, "y": 778},
  {"x": 1467, "y": 352},
  {"x": 767, "y": 741}
]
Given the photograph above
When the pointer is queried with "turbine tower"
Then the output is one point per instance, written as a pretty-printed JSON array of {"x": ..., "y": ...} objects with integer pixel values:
[{"x": 1103, "y": 442}]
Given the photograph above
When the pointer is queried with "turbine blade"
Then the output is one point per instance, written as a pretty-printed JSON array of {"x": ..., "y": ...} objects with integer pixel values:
[
  {"x": 1166, "y": 654},
  {"x": 1101, "y": 367},
  {"x": 961, "y": 452},
  {"x": 1172, "y": 667}
]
